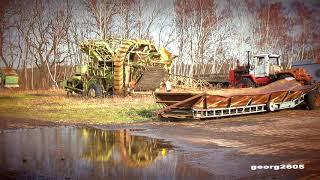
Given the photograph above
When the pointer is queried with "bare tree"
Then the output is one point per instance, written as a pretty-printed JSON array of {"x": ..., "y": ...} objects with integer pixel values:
[
  {"x": 48, "y": 36},
  {"x": 6, "y": 10}
]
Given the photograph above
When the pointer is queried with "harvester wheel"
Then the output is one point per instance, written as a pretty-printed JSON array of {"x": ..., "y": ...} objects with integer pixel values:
[
  {"x": 95, "y": 90},
  {"x": 311, "y": 99},
  {"x": 69, "y": 93},
  {"x": 246, "y": 82}
]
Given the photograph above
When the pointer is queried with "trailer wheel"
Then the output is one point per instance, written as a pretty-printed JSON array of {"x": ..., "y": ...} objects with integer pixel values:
[
  {"x": 95, "y": 90},
  {"x": 271, "y": 107},
  {"x": 246, "y": 82},
  {"x": 311, "y": 99}
]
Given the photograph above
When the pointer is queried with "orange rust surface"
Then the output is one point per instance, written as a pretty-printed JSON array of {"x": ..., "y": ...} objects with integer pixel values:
[
  {"x": 300, "y": 74},
  {"x": 278, "y": 96},
  {"x": 276, "y": 87},
  {"x": 260, "y": 99},
  {"x": 239, "y": 101},
  {"x": 217, "y": 101},
  {"x": 279, "y": 91},
  {"x": 293, "y": 96}
]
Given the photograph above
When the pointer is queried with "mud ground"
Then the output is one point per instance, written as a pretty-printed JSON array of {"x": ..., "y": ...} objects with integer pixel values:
[{"x": 228, "y": 147}]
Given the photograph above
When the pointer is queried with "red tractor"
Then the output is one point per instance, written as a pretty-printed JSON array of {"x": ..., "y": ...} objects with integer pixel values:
[{"x": 266, "y": 68}]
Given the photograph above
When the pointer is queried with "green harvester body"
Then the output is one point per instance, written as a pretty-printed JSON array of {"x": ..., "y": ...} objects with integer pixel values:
[{"x": 114, "y": 66}]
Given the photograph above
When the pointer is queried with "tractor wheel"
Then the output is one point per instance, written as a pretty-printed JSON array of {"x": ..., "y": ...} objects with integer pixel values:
[
  {"x": 311, "y": 99},
  {"x": 95, "y": 90},
  {"x": 246, "y": 82}
]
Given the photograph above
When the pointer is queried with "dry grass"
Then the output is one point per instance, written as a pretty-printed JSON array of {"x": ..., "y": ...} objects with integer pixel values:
[{"x": 54, "y": 105}]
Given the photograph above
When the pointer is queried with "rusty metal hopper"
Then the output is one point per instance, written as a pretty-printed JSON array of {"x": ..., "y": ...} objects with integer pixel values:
[{"x": 286, "y": 93}]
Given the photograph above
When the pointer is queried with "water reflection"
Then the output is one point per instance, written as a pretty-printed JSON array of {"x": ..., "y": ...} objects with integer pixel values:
[
  {"x": 120, "y": 147},
  {"x": 82, "y": 153}
]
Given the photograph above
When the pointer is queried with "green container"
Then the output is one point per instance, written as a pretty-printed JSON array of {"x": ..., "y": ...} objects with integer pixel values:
[
  {"x": 8, "y": 78},
  {"x": 11, "y": 81}
]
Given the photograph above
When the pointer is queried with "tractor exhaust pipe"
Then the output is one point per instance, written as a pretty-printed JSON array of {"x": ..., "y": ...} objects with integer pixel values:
[{"x": 248, "y": 54}]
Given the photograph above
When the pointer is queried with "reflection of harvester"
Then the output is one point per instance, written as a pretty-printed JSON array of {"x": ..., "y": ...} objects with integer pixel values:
[
  {"x": 139, "y": 151},
  {"x": 8, "y": 78},
  {"x": 134, "y": 151},
  {"x": 115, "y": 66}
]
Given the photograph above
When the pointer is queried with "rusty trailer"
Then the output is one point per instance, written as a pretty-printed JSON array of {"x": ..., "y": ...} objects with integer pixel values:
[{"x": 282, "y": 94}]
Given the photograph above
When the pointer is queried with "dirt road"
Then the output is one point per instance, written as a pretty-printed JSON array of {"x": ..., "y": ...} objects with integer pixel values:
[
  {"x": 231, "y": 147},
  {"x": 228, "y": 147}
]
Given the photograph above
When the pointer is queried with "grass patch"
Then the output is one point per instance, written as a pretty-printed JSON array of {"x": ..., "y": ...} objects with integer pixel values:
[{"x": 55, "y": 106}]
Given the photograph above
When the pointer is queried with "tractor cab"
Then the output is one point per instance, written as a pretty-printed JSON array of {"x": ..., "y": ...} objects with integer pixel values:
[{"x": 265, "y": 65}]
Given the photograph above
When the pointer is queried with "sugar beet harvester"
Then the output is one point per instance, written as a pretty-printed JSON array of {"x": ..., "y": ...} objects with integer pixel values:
[
  {"x": 282, "y": 94},
  {"x": 119, "y": 65}
]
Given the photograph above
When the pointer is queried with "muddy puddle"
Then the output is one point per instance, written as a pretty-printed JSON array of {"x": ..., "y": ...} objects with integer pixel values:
[{"x": 88, "y": 153}]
